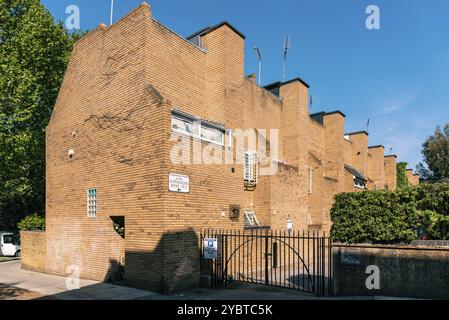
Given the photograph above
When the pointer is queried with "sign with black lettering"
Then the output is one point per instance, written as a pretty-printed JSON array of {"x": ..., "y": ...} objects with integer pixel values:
[{"x": 178, "y": 183}]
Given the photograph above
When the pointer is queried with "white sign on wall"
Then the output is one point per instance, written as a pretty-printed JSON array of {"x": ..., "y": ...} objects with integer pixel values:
[
  {"x": 210, "y": 248},
  {"x": 178, "y": 183}
]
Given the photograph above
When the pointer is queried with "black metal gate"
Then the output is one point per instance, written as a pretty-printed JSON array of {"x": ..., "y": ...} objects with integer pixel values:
[{"x": 299, "y": 261}]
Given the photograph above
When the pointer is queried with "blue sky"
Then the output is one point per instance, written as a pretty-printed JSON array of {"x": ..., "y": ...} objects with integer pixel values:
[{"x": 397, "y": 76}]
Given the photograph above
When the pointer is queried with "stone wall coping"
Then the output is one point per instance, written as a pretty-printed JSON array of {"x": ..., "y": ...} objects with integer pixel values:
[
  {"x": 32, "y": 231},
  {"x": 387, "y": 247}
]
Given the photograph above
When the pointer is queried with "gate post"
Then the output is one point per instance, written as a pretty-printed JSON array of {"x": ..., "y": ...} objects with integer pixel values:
[
  {"x": 266, "y": 258},
  {"x": 222, "y": 266}
]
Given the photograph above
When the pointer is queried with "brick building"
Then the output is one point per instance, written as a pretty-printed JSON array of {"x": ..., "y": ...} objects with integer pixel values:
[
  {"x": 135, "y": 97},
  {"x": 412, "y": 177}
]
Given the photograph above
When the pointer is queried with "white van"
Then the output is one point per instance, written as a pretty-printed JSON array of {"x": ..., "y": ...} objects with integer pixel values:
[{"x": 9, "y": 244}]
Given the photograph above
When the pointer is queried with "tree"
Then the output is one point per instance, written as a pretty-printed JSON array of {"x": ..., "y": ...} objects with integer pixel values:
[
  {"x": 436, "y": 156},
  {"x": 34, "y": 52},
  {"x": 401, "y": 175}
]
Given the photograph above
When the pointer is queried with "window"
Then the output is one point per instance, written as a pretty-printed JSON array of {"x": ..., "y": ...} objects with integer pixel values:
[
  {"x": 251, "y": 219},
  {"x": 8, "y": 239},
  {"x": 250, "y": 168},
  {"x": 211, "y": 134},
  {"x": 193, "y": 127},
  {"x": 359, "y": 183},
  {"x": 92, "y": 203},
  {"x": 185, "y": 125}
]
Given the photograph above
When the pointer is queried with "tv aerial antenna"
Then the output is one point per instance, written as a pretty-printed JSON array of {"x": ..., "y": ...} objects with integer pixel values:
[
  {"x": 285, "y": 49},
  {"x": 112, "y": 12},
  {"x": 259, "y": 58}
]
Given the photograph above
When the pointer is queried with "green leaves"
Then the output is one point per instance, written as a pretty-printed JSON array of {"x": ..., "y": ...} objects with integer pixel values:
[
  {"x": 32, "y": 223},
  {"x": 436, "y": 156},
  {"x": 34, "y": 52},
  {"x": 401, "y": 175},
  {"x": 392, "y": 217}
]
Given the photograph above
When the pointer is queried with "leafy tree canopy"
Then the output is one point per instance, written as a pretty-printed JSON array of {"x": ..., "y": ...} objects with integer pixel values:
[
  {"x": 34, "y": 51},
  {"x": 436, "y": 156}
]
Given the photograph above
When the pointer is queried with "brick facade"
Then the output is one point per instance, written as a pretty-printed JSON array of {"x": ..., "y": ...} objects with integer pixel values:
[
  {"x": 412, "y": 178},
  {"x": 33, "y": 251},
  {"x": 111, "y": 131}
]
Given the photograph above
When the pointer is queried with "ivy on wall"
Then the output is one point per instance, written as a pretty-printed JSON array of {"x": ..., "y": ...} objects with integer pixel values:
[{"x": 401, "y": 175}]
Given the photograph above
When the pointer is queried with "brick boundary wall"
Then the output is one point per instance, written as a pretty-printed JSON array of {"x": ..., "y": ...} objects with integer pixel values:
[
  {"x": 33, "y": 250},
  {"x": 405, "y": 270}
]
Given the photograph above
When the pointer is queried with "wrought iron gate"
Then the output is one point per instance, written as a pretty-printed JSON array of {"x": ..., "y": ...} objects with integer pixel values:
[{"x": 299, "y": 261}]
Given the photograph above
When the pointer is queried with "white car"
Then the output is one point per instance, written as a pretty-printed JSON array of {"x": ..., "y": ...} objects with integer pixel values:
[{"x": 9, "y": 244}]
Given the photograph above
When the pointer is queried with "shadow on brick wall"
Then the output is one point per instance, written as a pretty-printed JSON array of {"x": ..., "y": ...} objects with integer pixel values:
[
  {"x": 174, "y": 265},
  {"x": 115, "y": 273}
]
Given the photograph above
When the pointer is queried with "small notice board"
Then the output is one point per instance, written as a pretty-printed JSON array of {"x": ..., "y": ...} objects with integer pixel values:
[
  {"x": 210, "y": 249},
  {"x": 178, "y": 183}
]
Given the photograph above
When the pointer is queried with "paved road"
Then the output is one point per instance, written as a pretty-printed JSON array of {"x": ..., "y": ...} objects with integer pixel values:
[{"x": 16, "y": 283}]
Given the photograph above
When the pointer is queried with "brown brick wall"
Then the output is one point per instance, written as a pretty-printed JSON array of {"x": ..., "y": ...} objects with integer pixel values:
[
  {"x": 33, "y": 251},
  {"x": 333, "y": 162},
  {"x": 409, "y": 271},
  {"x": 390, "y": 172},
  {"x": 348, "y": 155},
  {"x": 110, "y": 127},
  {"x": 316, "y": 209},
  {"x": 360, "y": 152},
  {"x": 349, "y": 182},
  {"x": 413, "y": 179},
  {"x": 376, "y": 169}
]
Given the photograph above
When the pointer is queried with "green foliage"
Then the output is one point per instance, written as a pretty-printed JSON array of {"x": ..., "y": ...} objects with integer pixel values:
[
  {"x": 436, "y": 156},
  {"x": 401, "y": 175},
  {"x": 33, "y": 57},
  {"x": 389, "y": 217},
  {"x": 119, "y": 229},
  {"x": 32, "y": 223}
]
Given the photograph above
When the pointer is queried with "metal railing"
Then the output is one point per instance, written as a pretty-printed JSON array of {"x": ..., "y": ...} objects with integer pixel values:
[{"x": 294, "y": 260}]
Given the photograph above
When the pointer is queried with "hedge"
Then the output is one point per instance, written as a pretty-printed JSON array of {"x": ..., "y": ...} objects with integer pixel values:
[
  {"x": 32, "y": 223},
  {"x": 391, "y": 217}
]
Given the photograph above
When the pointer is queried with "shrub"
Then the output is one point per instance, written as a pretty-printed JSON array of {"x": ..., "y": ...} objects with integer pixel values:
[
  {"x": 392, "y": 217},
  {"x": 32, "y": 223}
]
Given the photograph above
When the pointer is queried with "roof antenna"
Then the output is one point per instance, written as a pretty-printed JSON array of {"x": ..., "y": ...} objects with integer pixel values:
[
  {"x": 310, "y": 104},
  {"x": 112, "y": 11},
  {"x": 286, "y": 47},
  {"x": 259, "y": 57},
  {"x": 367, "y": 125},
  {"x": 391, "y": 150}
]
